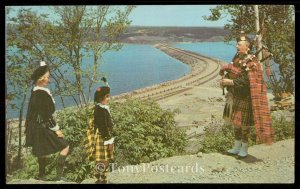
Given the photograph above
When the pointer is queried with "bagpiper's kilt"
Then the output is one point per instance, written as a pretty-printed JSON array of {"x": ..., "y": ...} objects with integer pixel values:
[
  {"x": 101, "y": 151},
  {"x": 242, "y": 114}
]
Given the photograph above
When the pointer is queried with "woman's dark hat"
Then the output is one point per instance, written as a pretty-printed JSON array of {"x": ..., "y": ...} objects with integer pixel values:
[
  {"x": 40, "y": 71},
  {"x": 102, "y": 91}
]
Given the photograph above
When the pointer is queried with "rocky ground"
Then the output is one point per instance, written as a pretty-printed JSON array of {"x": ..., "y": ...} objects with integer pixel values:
[{"x": 265, "y": 164}]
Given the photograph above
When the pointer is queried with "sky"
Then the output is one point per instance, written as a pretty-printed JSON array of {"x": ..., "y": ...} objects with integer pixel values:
[
  {"x": 173, "y": 15},
  {"x": 159, "y": 15}
]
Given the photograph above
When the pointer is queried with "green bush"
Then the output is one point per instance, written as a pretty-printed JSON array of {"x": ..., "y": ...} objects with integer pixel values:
[
  {"x": 144, "y": 132},
  {"x": 29, "y": 170},
  {"x": 219, "y": 137},
  {"x": 284, "y": 129},
  {"x": 73, "y": 122}
]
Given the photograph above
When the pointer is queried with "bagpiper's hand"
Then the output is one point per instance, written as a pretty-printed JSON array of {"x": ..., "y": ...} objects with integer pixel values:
[
  {"x": 220, "y": 83},
  {"x": 226, "y": 82},
  {"x": 59, "y": 133}
]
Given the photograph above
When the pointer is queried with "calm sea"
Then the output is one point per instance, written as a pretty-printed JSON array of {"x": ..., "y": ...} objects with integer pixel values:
[
  {"x": 131, "y": 68},
  {"x": 219, "y": 50},
  {"x": 136, "y": 66}
]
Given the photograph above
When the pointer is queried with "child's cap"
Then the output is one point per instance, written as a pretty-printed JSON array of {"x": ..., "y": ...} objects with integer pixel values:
[{"x": 102, "y": 91}]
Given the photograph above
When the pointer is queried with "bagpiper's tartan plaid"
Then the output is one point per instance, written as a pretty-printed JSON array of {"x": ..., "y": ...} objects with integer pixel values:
[
  {"x": 94, "y": 145},
  {"x": 261, "y": 113}
]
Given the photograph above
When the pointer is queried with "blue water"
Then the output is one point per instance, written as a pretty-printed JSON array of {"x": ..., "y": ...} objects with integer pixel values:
[
  {"x": 222, "y": 51},
  {"x": 137, "y": 66},
  {"x": 131, "y": 68},
  {"x": 219, "y": 50}
]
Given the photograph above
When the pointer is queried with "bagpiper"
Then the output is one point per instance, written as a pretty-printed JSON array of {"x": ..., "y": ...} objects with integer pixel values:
[{"x": 249, "y": 95}]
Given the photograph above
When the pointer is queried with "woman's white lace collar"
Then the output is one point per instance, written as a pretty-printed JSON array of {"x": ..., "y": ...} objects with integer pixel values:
[{"x": 44, "y": 89}]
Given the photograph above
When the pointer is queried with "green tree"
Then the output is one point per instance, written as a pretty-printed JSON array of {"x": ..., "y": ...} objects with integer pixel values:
[
  {"x": 93, "y": 29},
  {"x": 33, "y": 37},
  {"x": 18, "y": 78},
  {"x": 277, "y": 25},
  {"x": 26, "y": 36}
]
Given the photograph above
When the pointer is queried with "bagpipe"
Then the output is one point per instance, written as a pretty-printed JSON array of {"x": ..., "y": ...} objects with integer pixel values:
[
  {"x": 239, "y": 63},
  {"x": 232, "y": 70}
]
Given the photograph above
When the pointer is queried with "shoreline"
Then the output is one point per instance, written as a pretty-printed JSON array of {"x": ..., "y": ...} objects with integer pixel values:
[
  {"x": 200, "y": 66},
  {"x": 203, "y": 70}
]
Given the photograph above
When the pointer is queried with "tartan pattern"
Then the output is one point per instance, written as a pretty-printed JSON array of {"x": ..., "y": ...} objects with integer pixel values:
[
  {"x": 261, "y": 113},
  {"x": 101, "y": 152},
  {"x": 242, "y": 114},
  {"x": 94, "y": 144},
  {"x": 233, "y": 70},
  {"x": 258, "y": 101},
  {"x": 89, "y": 143}
]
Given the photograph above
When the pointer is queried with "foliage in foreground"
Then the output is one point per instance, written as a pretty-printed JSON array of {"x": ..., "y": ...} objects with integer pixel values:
[
  {"x": 144, "y": 132},
  {"x": 219, "y": 137}
]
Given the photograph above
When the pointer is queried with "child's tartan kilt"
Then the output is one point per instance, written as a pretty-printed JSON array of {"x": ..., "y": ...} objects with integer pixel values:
[
  {"x": 101, "y": 152},
  {"x": 94, "y": 145}
]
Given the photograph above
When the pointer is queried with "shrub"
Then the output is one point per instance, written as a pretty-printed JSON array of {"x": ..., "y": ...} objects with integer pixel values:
[
  {"x": 283, "y": 127},
  {"x": 219, "y": 137},
  {"x": 144, "y": 132},
  {"x": 74, "y": 122},
  {"x": 29, "y": 170}
]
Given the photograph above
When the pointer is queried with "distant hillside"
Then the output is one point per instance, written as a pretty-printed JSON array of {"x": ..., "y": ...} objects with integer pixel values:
[
  {"x": 151, "y": 35},
  {"x": 138, "y": 34}
]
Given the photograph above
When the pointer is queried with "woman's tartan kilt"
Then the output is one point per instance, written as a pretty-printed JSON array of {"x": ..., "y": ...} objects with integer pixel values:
[
  {"x": 94, "y": 145},
  {"x": 242, "y": 114}
]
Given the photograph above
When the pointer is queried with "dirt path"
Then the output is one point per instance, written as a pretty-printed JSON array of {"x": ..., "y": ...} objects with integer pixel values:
[{"x": 265, "y": 164}]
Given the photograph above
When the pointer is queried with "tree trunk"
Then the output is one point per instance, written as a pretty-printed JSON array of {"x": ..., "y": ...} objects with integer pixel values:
[
  {"x": 92, "y": 80},
  {"x": 59, "y": 90},
  {"x": 6, "y": 131},
  {"x": 20, "y": 132},
  {"x": 259, "y": 45}
]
